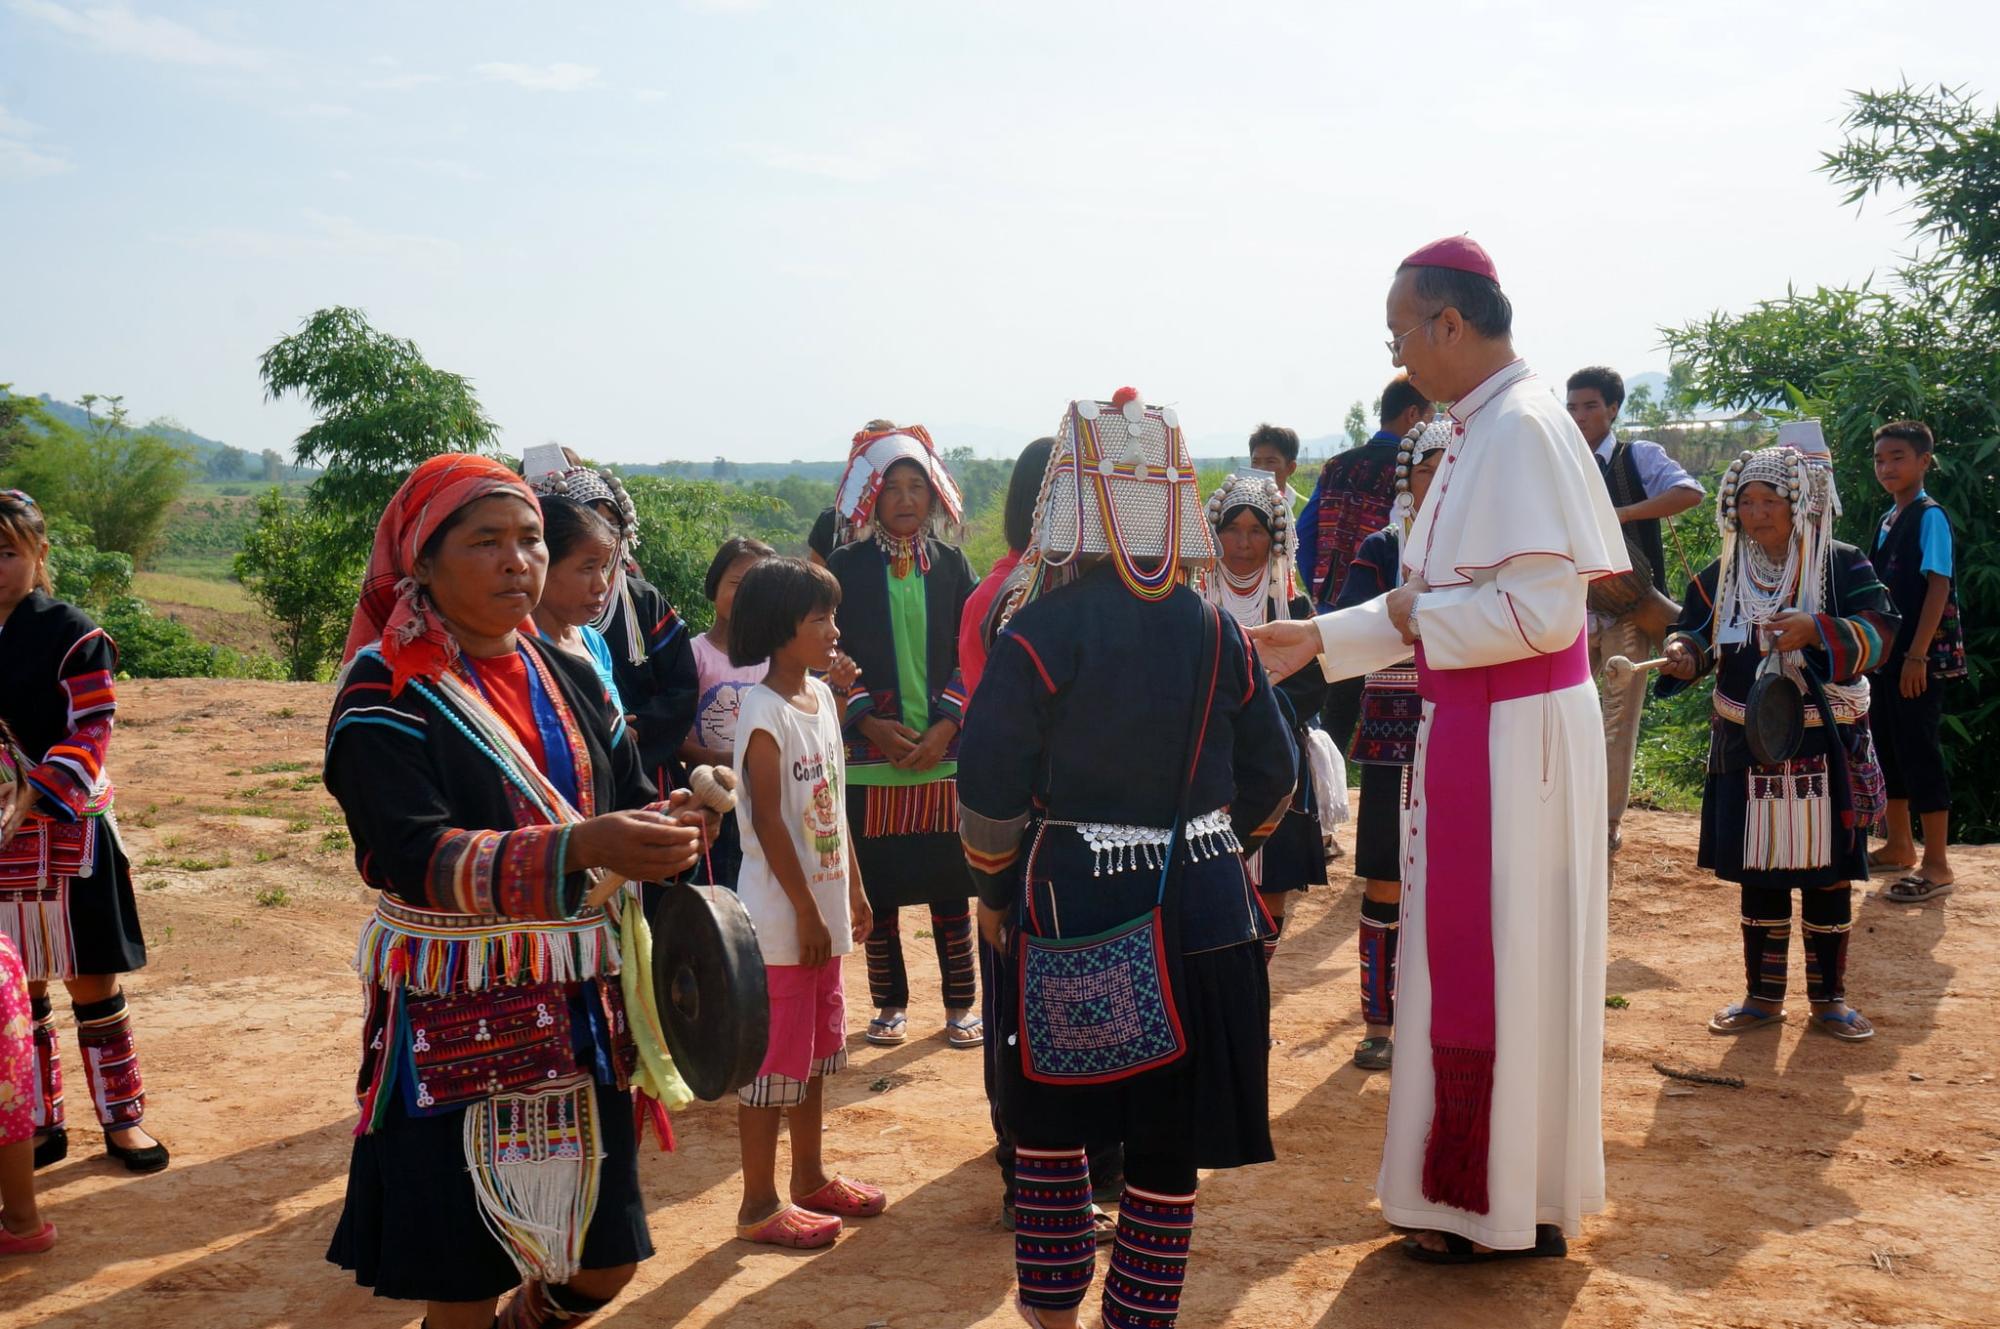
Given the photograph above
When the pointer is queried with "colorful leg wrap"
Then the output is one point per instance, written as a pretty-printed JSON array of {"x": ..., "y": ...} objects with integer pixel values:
[
  {"x": 888, "y": 980},
  {"x": 1767, "y": 940},
  {"x": 48, "y": 1066},
  {"x": 953, "y": 933},
  {"x": 1829, "y": 920},
  {"x": 111, "y": 1062},
  {"x": 1149, "y": 1260},
  {"x": 541, "y": 1305},
  {"x": 1381, "y": 926},
  {"x": 1271, "y": 942},
  {"x": 1055, "y": 1246}
]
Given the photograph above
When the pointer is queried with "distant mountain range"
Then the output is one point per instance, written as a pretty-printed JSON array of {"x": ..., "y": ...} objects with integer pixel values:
[{"x": 77, "y": 418}]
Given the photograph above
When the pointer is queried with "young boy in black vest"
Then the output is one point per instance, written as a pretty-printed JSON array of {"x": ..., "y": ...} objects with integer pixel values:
[{"x": 1913, "y": 554}]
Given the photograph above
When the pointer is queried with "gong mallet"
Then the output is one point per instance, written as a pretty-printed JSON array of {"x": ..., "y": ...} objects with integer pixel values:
[{"x": 1618, "y": 668}]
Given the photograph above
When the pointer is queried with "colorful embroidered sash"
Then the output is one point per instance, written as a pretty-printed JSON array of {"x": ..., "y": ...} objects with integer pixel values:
[{"x": 1458, "y": 914}]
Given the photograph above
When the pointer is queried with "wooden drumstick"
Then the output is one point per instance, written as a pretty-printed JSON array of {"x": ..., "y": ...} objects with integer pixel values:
[{"x": 1618, "y": 667}]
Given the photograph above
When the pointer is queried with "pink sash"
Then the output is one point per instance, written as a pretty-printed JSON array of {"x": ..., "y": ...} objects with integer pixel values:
[{"x": 1458, "y": 914}]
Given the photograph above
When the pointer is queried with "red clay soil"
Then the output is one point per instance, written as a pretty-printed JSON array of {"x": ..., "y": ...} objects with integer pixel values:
[{"x": 1842, "y": 1185}]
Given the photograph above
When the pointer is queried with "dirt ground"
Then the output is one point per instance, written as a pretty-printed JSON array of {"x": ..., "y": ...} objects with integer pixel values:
[{"x": 1841, "y": 1185}]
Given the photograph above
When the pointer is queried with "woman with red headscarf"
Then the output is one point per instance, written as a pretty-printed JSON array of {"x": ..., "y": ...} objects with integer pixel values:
[{"x": 484, "y": 778}]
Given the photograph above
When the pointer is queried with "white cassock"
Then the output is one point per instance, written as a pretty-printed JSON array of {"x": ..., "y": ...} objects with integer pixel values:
[{"x": 1516, "y": 523}]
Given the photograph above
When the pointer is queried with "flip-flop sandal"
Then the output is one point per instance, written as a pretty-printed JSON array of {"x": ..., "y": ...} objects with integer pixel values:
[
  {"x": 1732, "y": 1019},
  {"x": 1549, "y": 1245},
  {"x": 846, "y": 1197},
  {"x": 1849, "y": 1026},
  {"x": 968, "y": 1031},
  {"x": 888, "y": 1033},
  {"x": 792, "y": 1227},
  {"x": 33, "y": 1244},
  {"x": 1915, "y": 889},
  {"x": 1375, "y": 1054}
]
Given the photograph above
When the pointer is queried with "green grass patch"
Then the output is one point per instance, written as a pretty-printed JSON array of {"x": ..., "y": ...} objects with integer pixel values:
[
  {"x": 276, "y": 767},
  {"x": 274, "y": 897},
  {"x": 225, "y": 597},
  {"x": 206, "y": 566},
  {"x": 1614, "y": 1002},
  {"x": 335, "y": 841},
  {"x": 201, "y": 864}
]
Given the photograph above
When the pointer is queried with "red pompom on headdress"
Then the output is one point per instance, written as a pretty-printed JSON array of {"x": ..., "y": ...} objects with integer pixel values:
[{"x": 1123, "y": 395}]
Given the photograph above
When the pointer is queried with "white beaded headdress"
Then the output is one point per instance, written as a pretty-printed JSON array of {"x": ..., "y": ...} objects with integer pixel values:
[
  {"x": 1420, "y": 442},
  {"x": 1246, "y": 600},
  {"x": 1800, "y": 468},
  {"x": 1121, "y": 482}
]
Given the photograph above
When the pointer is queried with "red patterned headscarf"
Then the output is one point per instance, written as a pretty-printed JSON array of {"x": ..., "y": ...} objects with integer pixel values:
[{"x": 393, "y": 608}]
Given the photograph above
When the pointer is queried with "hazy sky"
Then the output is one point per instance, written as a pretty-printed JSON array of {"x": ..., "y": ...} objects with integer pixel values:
[{"x": 677, "y": 230}]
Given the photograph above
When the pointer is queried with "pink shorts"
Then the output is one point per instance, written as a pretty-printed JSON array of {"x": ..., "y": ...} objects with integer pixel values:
[
  {"x": 808, "y": 1033},
  {"x": 17, "y": 1048}
]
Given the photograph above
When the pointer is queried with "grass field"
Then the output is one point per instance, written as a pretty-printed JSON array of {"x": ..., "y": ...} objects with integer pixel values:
[
  {"x": 186, "y": 587},
  {"x": 213, "y": 567}
]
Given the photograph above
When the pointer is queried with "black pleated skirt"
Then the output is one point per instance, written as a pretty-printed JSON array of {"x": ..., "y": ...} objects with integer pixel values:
[
  {"x": 1294, "y": 858},
  {"x": 1212, "y": 1107},
  {"x": 1378, "y": 825},
  {"x": 411, "y": 1226},
  {"x": 1725, "y": 808}
]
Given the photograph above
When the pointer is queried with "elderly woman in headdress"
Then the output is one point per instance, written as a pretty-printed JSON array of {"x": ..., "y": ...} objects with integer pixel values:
[
  {"x": 1126, "y": 749},
  {"x": 1385, "y": 745},
  {"x": 652, "y": 653},
  {"x": 902, "y": 593},
  {"x": 1252, "y": 582},
  {"x": 497, "y": 806},
  {"x": 1785, "y": 597}
]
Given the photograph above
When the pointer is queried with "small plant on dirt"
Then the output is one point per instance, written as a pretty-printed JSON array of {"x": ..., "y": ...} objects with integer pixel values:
[
  {"x": 283, "y": 713},
  {"x": 310, "y": 780},
  {"x": 152, "y": 861},
  {"x": 146, "y": 816},
  {"x": 172, "y": 841},
  {"x": 334, "y": 841},
  {"x": 298, "y": 826},
  {"x": 1615, "y": 1002},
  {"x": 331, "y": 816},
  {"x": 202, "y": 864},
  {"x": 269, "y": 855},
  {"x": 277, "y": 767},
  {"x": 183, "y": 729},
  {"x": 158, "y": 884},
  {"x": 274, "y": 897}
]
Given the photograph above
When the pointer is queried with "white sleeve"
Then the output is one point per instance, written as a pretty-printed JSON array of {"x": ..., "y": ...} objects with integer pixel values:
[
  {"x": 1534, "y": 605},
  {"x": 1359, "y": 640}
]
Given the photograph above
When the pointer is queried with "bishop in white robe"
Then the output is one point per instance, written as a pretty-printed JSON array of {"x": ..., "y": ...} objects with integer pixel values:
[{"x": 1494, "y": 1133}]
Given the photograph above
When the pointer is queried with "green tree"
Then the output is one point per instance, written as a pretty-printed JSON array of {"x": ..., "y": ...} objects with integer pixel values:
[
  {"x": 1922, "y": 346},
  {"x": 21, "y": 420},
  {"x": 681, "y": 525},
  {"x": 382, "y": 410},
  {"x": 299, "y": 571},
  {"x": 118, "y": 482},
  {"x": 1356, "y": 425}
]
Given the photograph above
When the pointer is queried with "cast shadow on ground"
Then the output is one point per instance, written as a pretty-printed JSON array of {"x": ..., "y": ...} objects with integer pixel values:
[
  {"x": 1387, "y": 1288},
  {"x": 941, "y": 1235}
]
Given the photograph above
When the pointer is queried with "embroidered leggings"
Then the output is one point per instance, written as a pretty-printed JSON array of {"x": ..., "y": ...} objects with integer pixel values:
[
  {"x": 889, "y": 980},
  {"x": 1055, "y": 1247},
  {"x": 1828, "y": 916}
]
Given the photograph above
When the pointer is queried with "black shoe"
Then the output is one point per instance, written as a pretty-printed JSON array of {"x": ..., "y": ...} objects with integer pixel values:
[
  {"x": 150, "y": 1158},
  {"x": 51, "y": 1148}
]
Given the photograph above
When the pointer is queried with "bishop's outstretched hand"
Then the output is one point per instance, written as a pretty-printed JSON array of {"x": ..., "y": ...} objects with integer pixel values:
[{"x": 1286, "y": 647}]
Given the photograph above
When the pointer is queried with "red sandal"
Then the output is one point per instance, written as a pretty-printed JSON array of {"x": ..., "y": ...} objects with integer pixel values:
[
  {"x": 792, "y": 1227},
  {"x": 849, "y": 1199}
]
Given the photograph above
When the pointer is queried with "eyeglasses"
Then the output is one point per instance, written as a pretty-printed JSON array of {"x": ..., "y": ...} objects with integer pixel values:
[{"x": 1395, "y": 344}]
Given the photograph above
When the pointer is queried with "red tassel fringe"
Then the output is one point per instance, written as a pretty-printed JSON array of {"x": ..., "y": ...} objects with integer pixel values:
[{"x": 1461, "y": 1128}]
